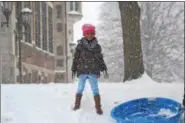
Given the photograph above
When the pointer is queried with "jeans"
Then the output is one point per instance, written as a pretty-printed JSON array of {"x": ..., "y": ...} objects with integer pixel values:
[{"x": 93, "y": 83}]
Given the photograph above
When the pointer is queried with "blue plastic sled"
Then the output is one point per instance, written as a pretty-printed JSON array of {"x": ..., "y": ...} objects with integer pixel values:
[{"x": 148, "y": 110}]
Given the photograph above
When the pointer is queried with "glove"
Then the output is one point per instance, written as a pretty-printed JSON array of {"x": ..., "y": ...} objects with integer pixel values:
[
  {"x": 73, "y": 74},
  {"x": 106, "y": 75}
]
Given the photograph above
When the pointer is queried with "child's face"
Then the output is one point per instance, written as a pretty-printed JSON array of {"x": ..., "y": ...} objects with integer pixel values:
[{"x": 89, "y": 36}]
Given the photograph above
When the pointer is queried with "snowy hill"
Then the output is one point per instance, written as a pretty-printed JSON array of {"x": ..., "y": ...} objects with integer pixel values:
[{"x": 51, "y": 103}]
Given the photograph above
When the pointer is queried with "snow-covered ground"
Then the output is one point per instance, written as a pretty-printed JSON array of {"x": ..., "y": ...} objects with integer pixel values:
[{"x": 51, "y": 103}]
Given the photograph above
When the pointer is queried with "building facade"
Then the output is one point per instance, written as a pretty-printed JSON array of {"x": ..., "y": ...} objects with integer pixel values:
[
  {"x": 44, "y": 44},
  {"x": 74, "y": 14},
  {"x": 66, "y": 14},
  {"x": 59, "y": 20}
]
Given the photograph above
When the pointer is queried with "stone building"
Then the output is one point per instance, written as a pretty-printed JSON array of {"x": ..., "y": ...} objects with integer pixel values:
[
  {"x": 74, "y": 12},
  {"x": 45, "y": 46},
  {"x": 64, "y": 36}
]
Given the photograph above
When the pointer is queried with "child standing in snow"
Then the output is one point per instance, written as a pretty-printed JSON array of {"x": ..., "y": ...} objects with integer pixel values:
[{"x": 87, "y": 64}]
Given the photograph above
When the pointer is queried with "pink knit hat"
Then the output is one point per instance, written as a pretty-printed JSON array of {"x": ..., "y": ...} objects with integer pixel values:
[{"x": 88, "y": 28}]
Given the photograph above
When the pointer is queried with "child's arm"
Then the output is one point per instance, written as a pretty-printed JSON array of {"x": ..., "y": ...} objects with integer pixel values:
[
  {"x": 102, "y": 63},
  {"x": 103, "y": 66}
]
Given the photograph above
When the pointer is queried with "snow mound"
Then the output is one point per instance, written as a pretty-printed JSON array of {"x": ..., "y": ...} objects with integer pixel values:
[{"x": 143, "y": 79}]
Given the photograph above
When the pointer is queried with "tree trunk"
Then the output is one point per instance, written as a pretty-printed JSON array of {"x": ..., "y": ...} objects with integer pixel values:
[{"x": 133, "y": 58}]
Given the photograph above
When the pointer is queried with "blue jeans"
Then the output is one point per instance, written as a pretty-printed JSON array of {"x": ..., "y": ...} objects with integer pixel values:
[{"x": 93, "y": 82}]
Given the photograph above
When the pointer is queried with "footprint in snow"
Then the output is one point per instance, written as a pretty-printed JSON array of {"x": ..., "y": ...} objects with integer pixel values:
[{"x": 6, "y": 119}]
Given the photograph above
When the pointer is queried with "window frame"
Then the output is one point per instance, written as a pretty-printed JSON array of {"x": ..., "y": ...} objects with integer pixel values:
[
  {"x": 61, "y": 61},
  {"x": 58, "y": 11},
  {"x": 59, "y": 27}
]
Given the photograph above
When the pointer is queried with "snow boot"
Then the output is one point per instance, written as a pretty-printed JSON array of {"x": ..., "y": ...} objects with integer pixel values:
[
  {"x": 97, "y": 101},
  {"x": 77, "y": 102}
]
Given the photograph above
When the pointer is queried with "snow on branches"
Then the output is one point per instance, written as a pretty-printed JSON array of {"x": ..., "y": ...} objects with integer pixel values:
[
  {"x": 162, "y": 33},
  {"x": 109, "y": 34}
]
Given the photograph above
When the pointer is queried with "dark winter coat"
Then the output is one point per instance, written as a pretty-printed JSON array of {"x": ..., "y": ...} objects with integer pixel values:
[
  {"x": 183, "y": 102},
  {"x": 88, "y": 58}
]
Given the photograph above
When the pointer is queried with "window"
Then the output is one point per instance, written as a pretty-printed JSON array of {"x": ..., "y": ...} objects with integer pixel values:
[
  {"x": 44, "y": 26},
  {"x": 59, "y": 11},
  {"x": 50, "y": 25},
  {"x": 34, "y": 76},
  {"x": 59, "y": 27},
  {"x": 18, "y": 11},
  {"x": 70, "y": 32},
  {"x": 29, "y": 77},
  {"x": 60, "y": 63},
  {"x": 59, "y": 77},
  {"x": 60, "y": 50},
  {"x": 16, "y": 41},
  {"x": 74, "y": 6},
  {"x": 28, "y": 28},
  {"x": 18, "y": 6},
  {"x": 37, "y": 23},
  {"x": 27, "y": 4},
  {"x": 28, "y": 34}
]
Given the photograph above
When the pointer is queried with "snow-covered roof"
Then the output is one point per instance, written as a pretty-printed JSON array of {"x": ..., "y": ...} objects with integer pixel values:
[
  {"x": 26, "y": 10},
  {"x": 74, "y": 13}
]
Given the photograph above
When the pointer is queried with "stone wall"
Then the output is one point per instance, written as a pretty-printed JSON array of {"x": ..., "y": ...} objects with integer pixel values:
[
  {"x": 37, "y": 65},
  {"x": 31, "y": 55},
  {"x": 7, "y": 57}
]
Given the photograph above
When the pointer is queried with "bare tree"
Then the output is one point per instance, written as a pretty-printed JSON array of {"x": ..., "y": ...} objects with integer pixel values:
[{"x": 133, "y": 59}]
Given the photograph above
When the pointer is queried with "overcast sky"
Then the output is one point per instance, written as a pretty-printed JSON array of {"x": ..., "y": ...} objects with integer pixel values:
[{"x": 90, "y": 11}]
